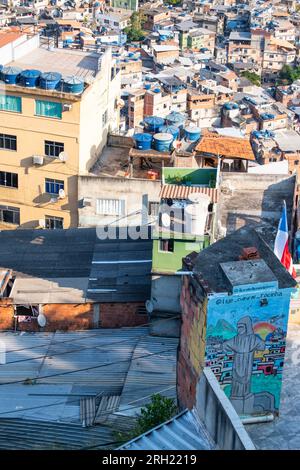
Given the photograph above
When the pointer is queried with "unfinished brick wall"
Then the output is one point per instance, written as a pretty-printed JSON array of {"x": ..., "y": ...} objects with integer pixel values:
[
  {"x": 116, "y": 315},
  {"x": 6, "y": 314},
  {"x": 65, "y": 317},
  {"x": 192, "y": 344}
]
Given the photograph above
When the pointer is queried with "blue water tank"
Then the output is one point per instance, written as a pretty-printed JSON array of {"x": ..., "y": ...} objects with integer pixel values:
[
  {"x": 162, "y": 141},
  {"x": 147, "y": 86},
  {"x": 153, "y": 123},
  {"x": 30, "y": 78},
  {"x": 156, "y": 90},
  {"x": 50, "y": 80},
  {"x": 192, "y": 133},
  {"x": 73, "y": 84},
  {"x": 143, "y": 141},
  {"x": 10, "y": 75},
  {"x": 176, "y": 119},
  {"x": 170, "y": 130}
]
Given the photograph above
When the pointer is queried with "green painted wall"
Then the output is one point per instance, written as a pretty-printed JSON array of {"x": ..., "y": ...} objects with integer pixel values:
[
  {"x": 205, "y": 176},
  {"x": 165, "y": 262}
]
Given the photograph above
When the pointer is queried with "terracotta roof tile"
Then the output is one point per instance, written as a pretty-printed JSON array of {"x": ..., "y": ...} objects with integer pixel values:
[
  {"x": 175, "y": 191},
  {"x": 7, "y": 37},
  {"x": 230, "y": 147}
]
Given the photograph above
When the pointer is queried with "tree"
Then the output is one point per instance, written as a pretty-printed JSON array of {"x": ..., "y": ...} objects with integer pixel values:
[
  {"x": 252, "y": 77},
  {"x": 289, "y": 74},
  {"x": 134, "y": 31},
  {"x": 159, "y": 410}
]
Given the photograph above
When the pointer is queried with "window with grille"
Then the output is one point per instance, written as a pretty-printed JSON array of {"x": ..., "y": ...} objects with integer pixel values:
[
  {"x": 10, "y": 215},
  {"x": 54, "y": 223},
  {"x": 8, "y": 179},
  {"x": 8, "y": 142},
  {"x": 110, "y": 206},
  {"x": 53, "y": 149},
  {"x": 53, "y": 186}
]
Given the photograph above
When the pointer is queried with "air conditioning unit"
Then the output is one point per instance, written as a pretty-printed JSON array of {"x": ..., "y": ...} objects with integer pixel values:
[
  {"x": 67, "y": 107},
  {"x": 38, "y": 159},
  {"x": 86, "y": 202}
]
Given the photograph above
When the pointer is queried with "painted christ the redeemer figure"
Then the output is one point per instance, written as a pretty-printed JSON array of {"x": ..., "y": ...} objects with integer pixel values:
[{"x": 243, "y": 345}]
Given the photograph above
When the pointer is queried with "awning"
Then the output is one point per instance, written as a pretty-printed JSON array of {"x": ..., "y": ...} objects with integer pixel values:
[{"x": 174, "y": 191}]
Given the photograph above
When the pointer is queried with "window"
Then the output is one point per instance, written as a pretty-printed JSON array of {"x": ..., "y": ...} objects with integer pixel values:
[
  {"x": 104, "y": 118},
  {"x": 166, "y": 245},
  {"x": 53, "y": 149},
  {"x": 11, "y": 215},
  {"x": 54, "y": 223},
  {"x": 48, "y": 109},
  {"x": 53, "y": 186},
  {"x": 110, "y": 206},
  {"x": 153, "y": 208},
  {"x": 8, "y": 142},
  {"x": 8, "y": 179},
  {"x": 10, "y": 103}
]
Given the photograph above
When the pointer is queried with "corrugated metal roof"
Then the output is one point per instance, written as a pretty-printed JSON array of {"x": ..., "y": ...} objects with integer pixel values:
[
  {"x": 184, "y": 432},
  {"x": 174, "y": 191}
]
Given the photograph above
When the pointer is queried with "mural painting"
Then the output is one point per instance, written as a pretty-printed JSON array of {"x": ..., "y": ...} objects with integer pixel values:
[{"x": 245, "y": 349}]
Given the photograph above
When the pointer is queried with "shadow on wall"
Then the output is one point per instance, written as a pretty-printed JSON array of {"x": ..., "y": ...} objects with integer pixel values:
[
  {"x": 260, "y": 210},
  {"x": 95, "y": 151}
]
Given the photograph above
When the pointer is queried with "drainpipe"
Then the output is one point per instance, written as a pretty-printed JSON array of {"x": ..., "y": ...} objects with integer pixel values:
[{"x": 258, "y": 419}]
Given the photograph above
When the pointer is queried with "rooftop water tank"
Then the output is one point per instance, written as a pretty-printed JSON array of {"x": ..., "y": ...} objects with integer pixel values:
[
  {"x": 73, "y": 85},
  {"x": 50, "y": 80},
  {"x": 176, "y": 119},
  {"x": 170, "y": 130},
  {"x": 143, "y": 141},
  {"x": 10, "y": 75},
  {"x": 153, "y": 123},
  {"x": 162, "y": 141},
  {"x": 30, "y": 78},
  {"x": 156, "y": 90},
  {"x": 196, "y": 213},
  {"x": 192, "y": 133},
  {"x": 147, "y": 86}
]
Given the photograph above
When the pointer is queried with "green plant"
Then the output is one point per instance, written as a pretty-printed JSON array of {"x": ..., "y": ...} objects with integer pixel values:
[{"x": 252, "y": 77}]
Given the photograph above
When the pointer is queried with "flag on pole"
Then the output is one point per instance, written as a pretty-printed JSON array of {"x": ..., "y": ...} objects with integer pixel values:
[{"x": 281, "y": 247}]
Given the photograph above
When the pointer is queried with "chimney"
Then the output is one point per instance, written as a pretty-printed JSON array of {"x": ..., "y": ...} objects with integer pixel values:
[{"x": 249, "y": 253}]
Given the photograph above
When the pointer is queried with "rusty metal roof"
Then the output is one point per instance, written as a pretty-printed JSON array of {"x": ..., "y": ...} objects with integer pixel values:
[
  {"x": 230, "y": 147},
  {"x": 174, "y": 191}
]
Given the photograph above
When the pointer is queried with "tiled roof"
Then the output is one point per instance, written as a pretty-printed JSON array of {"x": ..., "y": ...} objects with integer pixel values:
[
  {"x": 8, "y": 37},
  {"x": 175, "y": 191},
  {"x": 230, "y": 147}
]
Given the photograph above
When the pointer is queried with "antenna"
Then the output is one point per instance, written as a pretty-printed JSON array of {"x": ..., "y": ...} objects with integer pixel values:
[{"x": 63, "y": 157}]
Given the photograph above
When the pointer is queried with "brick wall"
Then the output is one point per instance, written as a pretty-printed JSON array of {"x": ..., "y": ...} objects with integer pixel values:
[
  {"x": 6, "y": 314},
  {"x": 122, "y": 314},
  {"x": 192, "y": 344},
  {"x": 76, "y": 316}
]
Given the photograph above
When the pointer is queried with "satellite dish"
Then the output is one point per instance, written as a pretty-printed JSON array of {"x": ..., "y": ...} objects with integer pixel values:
[
  {"x": 63, "y": 156},
  {"x": 165, "y": 219},
  {"x": 42, "y": 320},
  {"x": 61, "y": 194},
  {"x": 149, "y": 306}
]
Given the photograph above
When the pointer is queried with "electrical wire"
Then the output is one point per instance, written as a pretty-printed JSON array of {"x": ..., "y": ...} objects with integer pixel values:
[
  {"x": 87, "y": 368},
  {"x": 90, "y": 336}
]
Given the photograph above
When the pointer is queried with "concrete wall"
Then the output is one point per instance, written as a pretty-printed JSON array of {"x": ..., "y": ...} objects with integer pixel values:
[
  {"x": 165, "y": 293},
  {"x": 253, "y": 200},
  {"x": 98, "y": 100},
  {"x": 115, "y": 140},
  {"x": 219, "y": 416},
  {"x": 135, "y": 192}
]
